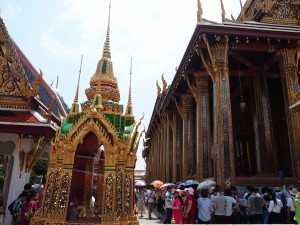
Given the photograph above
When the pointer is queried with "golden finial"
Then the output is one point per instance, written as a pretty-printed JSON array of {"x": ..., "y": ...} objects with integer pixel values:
[
  {"x": 199, "y": 12},
  {"x": 129, "y": 110},
  {"x": 165, "y": 85},
  {"x": 158, "y": 88},
  {"x": 242, "y": 11},
  {"x": 77, "y": 90},
  {"x": 106, "y": 49},
  {"x": 223, "y": 11},
  {"x": 75, "y": 106}
]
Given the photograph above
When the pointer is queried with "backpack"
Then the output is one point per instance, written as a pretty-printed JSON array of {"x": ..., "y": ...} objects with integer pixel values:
[{"x": 11, "y": 207}]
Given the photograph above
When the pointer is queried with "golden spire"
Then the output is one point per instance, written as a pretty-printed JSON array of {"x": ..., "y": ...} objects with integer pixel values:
[
  {"x": 223, "y": 11},
  {"x": 242, "y": 11},
  {"x": 75, "y": 106},
  {"x": 129, "y": 108},
  {"x": 106, "y": 49},
  {"x": 158, "y": 88},
  {"x": 200, "y": 11}
]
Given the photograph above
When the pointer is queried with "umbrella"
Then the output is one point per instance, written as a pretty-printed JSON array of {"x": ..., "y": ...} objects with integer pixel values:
[
  {"x": 188, "y": 183},
  {"x": 157, "y": 183},
  {"x": 167, "y": 185},
  {"x": 206, "y": 184},
  {"x": 140, "y": 183}
]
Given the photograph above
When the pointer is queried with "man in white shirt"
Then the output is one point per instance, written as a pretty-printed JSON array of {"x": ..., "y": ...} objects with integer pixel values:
[{"x": 150, "y": 196}]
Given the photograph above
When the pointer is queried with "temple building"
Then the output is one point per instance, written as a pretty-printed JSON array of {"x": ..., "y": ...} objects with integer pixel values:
[
  {"x": 90, "y": 179},
  {"x": 29, "y": 118},
  {"x": 231, "y": 111}
]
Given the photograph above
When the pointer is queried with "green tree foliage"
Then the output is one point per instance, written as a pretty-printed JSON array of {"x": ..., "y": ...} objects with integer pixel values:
[{"x": 40, "y": 168}]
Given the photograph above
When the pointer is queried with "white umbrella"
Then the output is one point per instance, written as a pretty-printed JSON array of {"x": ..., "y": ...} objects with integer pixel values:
[{"x": 206, "y": 184}]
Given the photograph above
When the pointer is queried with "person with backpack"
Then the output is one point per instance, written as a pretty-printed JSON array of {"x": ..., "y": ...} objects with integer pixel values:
[
  {"x": 15, "y": 211},
  {"x": 28, "y": 208}
]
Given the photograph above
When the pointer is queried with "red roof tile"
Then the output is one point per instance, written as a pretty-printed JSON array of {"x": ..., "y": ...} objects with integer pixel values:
[{"x": 17, "y": 117}]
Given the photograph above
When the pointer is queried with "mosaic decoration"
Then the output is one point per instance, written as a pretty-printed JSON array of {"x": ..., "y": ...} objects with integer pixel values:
[
  {"x": 204, "y": 134},
  {"x": 119, "y": 188},
  {"x": 64, "y": 192},
  {"x": 171, "y": 156},
  {"x": 108, "y": 204},
  {"x": 128, "y": 190},
  {"x": 50, "y": 184},
  {"x": 178, "y": 148},
  {"x": 291, "y": 136},
  {"x": 55, "y": 193},
  {"x": 189, "y": 138},
  {"x": 226, "y": 131}
]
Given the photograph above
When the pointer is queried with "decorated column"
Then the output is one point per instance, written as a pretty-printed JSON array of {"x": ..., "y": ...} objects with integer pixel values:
[
  {"x": 199, "y": 89},
  {"x": 217, "y": 68},
  {"x": 289, "y": 75}
]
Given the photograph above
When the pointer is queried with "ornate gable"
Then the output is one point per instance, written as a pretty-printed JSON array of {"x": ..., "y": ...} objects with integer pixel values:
[
  {"x": 13, "y": 80},
  {"x": 272, "y": 11}
]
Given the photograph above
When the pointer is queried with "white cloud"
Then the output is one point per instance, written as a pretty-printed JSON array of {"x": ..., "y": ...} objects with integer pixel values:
[{"x": 12, "y": 9}]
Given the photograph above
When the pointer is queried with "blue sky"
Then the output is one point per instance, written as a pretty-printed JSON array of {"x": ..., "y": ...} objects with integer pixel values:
[{"x": 54, "y": 34}]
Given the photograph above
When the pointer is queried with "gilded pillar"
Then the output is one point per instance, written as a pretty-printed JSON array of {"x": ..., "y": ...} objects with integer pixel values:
[
  {"x": 199, "y": 89},
  {"x": 184, "y": 109},
  {"x": 266, "y": 147},
  {"x": 217, "y": 68},
  {"x": 167, "y": 151},
  {"x": 174, "y": 133},
  {"x": 289, "y": 75}
]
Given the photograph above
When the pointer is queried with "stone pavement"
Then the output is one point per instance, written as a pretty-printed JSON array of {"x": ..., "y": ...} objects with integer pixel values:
[{"x": 154, "y": 220}]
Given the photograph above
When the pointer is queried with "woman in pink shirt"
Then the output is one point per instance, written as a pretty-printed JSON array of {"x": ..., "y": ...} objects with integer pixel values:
[{"x": 177, "y": 207}]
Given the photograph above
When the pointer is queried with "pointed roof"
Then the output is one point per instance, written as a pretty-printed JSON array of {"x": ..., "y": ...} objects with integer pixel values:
[
  {"x": 129, "y": 108},
  {"x": 75, "y": 106},
  {"x": 103, "y": 81}
]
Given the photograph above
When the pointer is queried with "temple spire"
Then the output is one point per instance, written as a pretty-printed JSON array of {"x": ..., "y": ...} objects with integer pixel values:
[
  {"x": 223, "y": 11},
  {"x": 129, "y": 108},
  {"x": 75, "y": 106},
  {"x": 199, "y": 12},
  {"x": 106, "y": 49}
]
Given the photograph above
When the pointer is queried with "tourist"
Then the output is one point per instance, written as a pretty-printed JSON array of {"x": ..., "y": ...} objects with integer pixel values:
[
  {"x": 150, "y": 200},
  {"x": 190, "y": 206},
  {"x": 204, "y": 207},
  {"x": 231, "y": 205},
  {"x": 291, "y": 206},
  {"x": 16, "y": 216},
  {"x": 168, "y": 205},
  {"x": 159, "y": 202},
  {"x": 28, "y": 208},
  {"x": 265, "y": 195},
  {"x": 220, "y": 205},
  {"x": 74, "y": 208},
  {"x": 274, "y": 209},
  {"x": 254, "y": 206},
  {"x": 140, "y": 195},
  {"x": 297, "y": 208},
  {"x": 177, "y": 207}
]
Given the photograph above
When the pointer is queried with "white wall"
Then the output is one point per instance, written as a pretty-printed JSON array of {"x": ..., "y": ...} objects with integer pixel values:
[{"x": 17, "y": 180}]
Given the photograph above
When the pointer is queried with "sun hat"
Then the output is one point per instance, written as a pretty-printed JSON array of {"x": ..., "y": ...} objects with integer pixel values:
[
  {"x": 190, "y": 190},
  {"x": 293, "y": 191},
  {"x": 178, "y": 191}
]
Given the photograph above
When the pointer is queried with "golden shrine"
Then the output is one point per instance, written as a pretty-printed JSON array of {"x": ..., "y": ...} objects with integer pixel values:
[
  {"x": 227, "y": 113},
  {"x": 90, "y": 179}
]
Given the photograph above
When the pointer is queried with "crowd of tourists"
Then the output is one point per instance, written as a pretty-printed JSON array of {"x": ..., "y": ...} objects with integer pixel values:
[
  {"x": 23, "y": 208},
  {"x": 191, "y": 205}
]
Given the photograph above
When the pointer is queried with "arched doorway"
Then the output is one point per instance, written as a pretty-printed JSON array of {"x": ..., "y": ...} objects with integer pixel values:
[{"x": 85, "y": 200}]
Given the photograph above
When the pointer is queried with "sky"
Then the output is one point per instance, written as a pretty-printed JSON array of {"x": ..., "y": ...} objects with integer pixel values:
[{"x": 54, "y": 34}]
